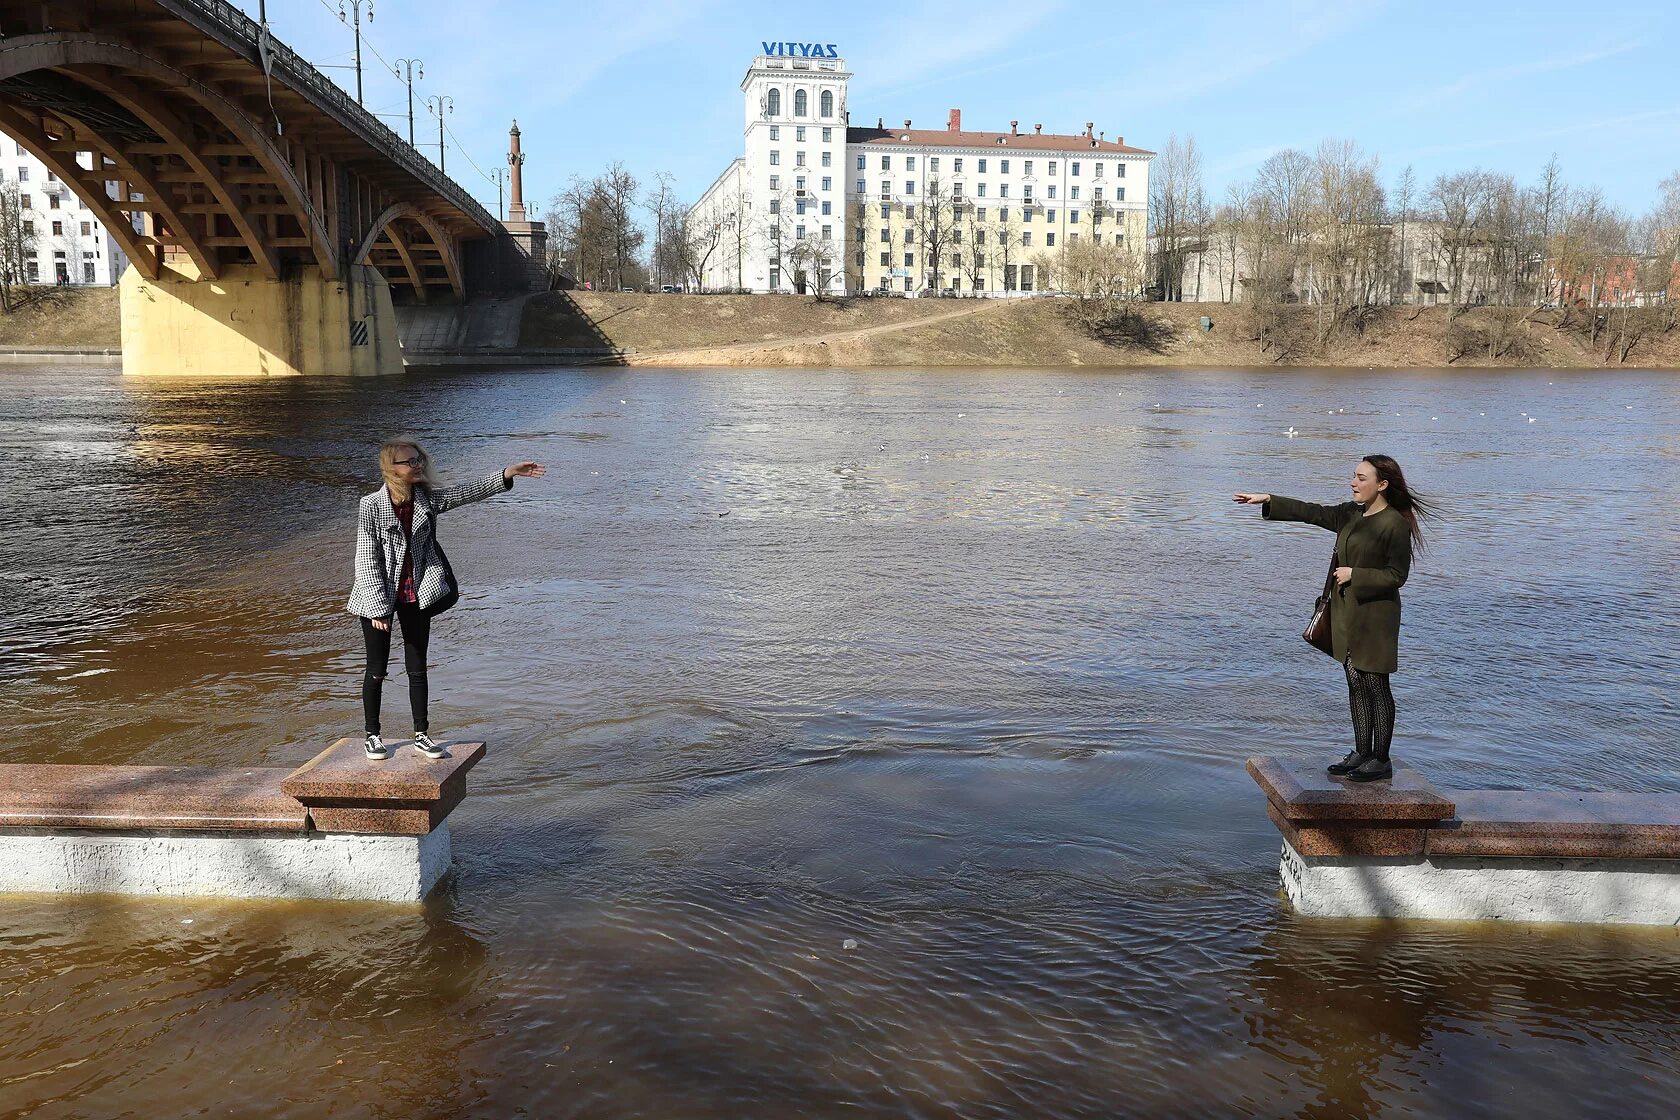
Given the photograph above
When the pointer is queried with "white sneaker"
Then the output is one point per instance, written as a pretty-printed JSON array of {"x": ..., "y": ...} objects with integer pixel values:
[
  {"x": 424, "y": 744},
  {"x": 376, "y": 750}
]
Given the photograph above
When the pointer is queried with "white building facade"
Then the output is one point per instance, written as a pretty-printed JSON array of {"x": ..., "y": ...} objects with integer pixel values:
[
  {"x": 816, "y": 205},
  {"x": 63, "y": 241}
]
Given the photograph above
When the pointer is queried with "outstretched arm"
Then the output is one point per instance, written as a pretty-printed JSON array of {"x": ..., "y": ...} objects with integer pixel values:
[
  {"x": 488, "y": 487},
  {"x": 1274, "y": 508}
]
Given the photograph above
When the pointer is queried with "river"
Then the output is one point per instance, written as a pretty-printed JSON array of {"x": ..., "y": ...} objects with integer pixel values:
[{"x": 862, "y": 743}]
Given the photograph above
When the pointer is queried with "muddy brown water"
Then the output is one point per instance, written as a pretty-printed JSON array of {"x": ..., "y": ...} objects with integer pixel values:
[{"x": 863, "y": 744}]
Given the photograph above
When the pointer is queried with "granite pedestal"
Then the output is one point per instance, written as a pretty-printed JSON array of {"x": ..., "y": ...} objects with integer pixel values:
[
  {"x": 1405, "y": 849},
  {"x": 338, "y": 827}
]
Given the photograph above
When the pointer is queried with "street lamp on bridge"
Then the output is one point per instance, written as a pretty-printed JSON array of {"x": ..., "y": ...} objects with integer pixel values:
[
  {"x": 354, "y": 17},
  {"x": 438, "y": 105},
  {"x": 408, "y": 69}
]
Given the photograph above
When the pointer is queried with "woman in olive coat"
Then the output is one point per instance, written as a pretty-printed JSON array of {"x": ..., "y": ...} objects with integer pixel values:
[{"x": 1375, "y": 535}]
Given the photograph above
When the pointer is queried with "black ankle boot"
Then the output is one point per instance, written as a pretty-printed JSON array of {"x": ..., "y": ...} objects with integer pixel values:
[
  {"x": 1373, "y": 769},
  {"x": 1346, "y": 765}
]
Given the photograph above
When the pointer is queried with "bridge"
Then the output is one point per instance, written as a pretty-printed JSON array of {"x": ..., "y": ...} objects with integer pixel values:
[{"x": 270, "y": 220}]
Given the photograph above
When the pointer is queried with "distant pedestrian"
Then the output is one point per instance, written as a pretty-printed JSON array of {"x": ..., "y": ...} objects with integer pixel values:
[
  {"x": 1376, "y": 534},
  {"x": 402, "y": 575}
]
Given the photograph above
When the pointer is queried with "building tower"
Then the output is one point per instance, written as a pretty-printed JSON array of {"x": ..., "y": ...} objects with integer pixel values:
[
  {"x": 528, "y": 240},
  {"x": 794, "y": 97}
]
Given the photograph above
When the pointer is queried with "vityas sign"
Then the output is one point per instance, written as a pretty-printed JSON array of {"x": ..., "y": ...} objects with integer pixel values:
[{"x": 801, "y": 50}]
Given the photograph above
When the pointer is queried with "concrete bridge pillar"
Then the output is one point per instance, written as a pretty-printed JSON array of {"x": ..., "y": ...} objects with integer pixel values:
[{"x": 244, "y": 324}]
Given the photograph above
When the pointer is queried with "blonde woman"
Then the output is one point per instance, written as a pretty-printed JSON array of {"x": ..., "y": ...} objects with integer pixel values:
[{"x": 403, "y": 576}]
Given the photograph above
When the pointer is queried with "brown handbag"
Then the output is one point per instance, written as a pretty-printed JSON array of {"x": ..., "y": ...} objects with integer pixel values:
[{"x": 1317, "y": 633}]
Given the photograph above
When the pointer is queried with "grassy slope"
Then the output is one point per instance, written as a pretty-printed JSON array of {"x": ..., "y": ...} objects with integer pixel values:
[{"x": 67, "y": 318}]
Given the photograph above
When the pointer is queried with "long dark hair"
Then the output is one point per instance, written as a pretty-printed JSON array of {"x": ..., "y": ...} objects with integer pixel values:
[{"x": 1400, "y": 496}]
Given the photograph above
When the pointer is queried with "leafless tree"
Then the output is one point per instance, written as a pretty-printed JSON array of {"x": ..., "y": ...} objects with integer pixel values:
[
  {"x": 1177, "y": 210},
  {"x": 17, "y": 243},
  {"x": 934, "y": 227}
]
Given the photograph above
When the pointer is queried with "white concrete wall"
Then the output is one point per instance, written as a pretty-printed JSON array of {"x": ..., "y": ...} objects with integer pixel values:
[
  {"x": 226, "y": 865},
  {"x": 1608, "y": 891}
]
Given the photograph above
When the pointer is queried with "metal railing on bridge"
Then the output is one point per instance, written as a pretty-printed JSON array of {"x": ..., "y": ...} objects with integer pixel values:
[{"x": 239, "y": 32}]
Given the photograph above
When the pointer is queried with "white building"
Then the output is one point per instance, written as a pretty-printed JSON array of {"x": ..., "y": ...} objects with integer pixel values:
[
  {"x": 817, "y": 205},
  {"x": 70, "y": 244}
]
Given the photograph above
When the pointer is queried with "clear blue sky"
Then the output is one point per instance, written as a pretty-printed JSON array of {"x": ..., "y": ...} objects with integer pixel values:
[{"x": 1440, "y": 86}]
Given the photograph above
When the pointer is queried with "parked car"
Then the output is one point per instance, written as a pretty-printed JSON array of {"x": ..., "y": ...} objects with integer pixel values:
[{"x": 669, "y": 289}]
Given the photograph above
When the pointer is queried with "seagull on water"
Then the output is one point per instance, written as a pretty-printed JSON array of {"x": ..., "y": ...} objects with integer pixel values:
[{"x": 1291, "y": 433}]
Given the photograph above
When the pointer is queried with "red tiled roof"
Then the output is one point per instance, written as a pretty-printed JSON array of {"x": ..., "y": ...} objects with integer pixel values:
[{"x": 1025, "y": 141}]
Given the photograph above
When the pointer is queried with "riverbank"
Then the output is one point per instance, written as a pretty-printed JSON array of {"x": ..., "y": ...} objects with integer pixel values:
[
  {"x": 793, "y": 331},
  {"x": 581, "y": 328}
]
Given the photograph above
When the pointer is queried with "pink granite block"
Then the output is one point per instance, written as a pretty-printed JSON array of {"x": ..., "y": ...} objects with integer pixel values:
[
  {"x": 1307, "y": 793},
  {"x": 147, "y": 797}
]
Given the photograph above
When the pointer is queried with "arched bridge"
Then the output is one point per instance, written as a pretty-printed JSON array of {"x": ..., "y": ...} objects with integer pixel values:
[{"x": 221, "y": 161}]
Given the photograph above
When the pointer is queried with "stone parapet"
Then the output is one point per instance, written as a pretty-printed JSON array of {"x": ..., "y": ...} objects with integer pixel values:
[{"x": 1404, "y": 849}]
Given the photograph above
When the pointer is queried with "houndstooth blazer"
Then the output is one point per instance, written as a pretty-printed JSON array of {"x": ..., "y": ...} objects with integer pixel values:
[{"x": 380, "y": 546}]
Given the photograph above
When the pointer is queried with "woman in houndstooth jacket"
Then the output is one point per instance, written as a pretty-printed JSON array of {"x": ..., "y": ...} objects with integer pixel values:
[{"x": 401, "y": 574}]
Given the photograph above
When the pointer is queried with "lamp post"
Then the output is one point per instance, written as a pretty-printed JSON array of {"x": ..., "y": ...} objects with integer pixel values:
[
  {"x": 354, "y": 18},
  {"x": 501, "y": 177},
  {"x": 438, "y": 105},
  {"x": 408, "y": 69}
]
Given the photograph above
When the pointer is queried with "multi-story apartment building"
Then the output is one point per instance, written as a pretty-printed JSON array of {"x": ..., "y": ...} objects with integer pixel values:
[
  {"x": 62, "y": 241},
  {"x": 816, "y": 205}
]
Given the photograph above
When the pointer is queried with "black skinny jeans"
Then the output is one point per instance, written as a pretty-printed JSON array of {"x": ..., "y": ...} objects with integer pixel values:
[{"x": 416, "y": 629}]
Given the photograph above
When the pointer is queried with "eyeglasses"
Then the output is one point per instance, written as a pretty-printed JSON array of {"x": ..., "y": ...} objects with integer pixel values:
[{"x": 414, "y": 462}]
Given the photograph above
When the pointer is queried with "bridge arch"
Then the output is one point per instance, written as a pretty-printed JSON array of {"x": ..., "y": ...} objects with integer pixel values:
[
  {"x": 411, "y": 248},
  {"x": 202, "y": 173}
]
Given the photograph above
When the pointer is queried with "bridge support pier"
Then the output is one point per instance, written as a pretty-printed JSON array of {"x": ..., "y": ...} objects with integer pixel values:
[{"x": 244, "y": 324}]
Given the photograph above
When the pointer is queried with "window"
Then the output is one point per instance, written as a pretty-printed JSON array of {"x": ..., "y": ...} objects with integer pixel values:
[
  {"x": 1026, "y": 191},
  {"x": 52, "y": 202},
  {"x": 886, "y": 260},
  {"x": 828, "y": 159},
  {"x": 980, "y": 190},
  {"x": 828, "y": 182},
  {"x": 799, "y": 233},
  {"x": 828, "y": 136},
  {"x": 1072, "y": 237},
  {"x": 1096, "y": 169},
  {"x": 775, "y": 182},
  {"x": 861, "y": 160},
  {"x": 956, "y": 165},
  {"x": 1003, "y": 166},
  {"x": 827, "y": 208},
  {"x": 909, "y": 186},
  {"x": 799, "y": 157},
  {"x": 775, "y": 132},
  {"x": 909, "y": 213},
  {"x": 1096, "y": 216},
  {"x": 1073, "y": 193},
  {"x": 33, "y": 270},
  {"x": 1026, "y": 213},
  {"x": 956, "y": 237},
  {"x": 956, "y": 260},
  {"x": 775, "y": 157},
  {"x": 909, "y": 163},
  {"x": 861, "y": 186},
  {"x": 860, "y": 236},
  {"x": 1049, "y": 215},
  {"x": 1003, "y": 190},
  {"x": 1076, "y": 169},
  {"x": 909, "y": 262},
  {"x": 20, "y": 149},
  {"x": 1026, "y": 167},
  {"x": 1073, "y": 216},
  {"x": 26, "y": 202},
  {"x": 801, "y": 103},
  {"x": 1052, "y": 167},
  {"x": 886, "y": 163},
  {"x": 828, "y": 233},
  {"x": 775, "y": 206},
  {"x": 909, "y": 238},
  {"x": 799, "y": 134},
  {"x": 1119, "y": 194},
  {"x": 982, "y": 167},
  {"x": 886, "y": 210},
  {"x": 980, "y": 214},
  {"x": 799, "y": 182},
  {"x": 908, "y": 284},
  {"x": 886, "y": 237},
  {"x": 979, "y": 239},
  {"x": 1096, "y": 194},
  {"x": 859, "y": 260},
  {"x": 1050, "y": 240},
  {"x": 799, "y": 206},
  {"x": 58, "y": 229},
  {"x": 775, "y": 277},
  {"x": 1052, "y": 190},
  {"x": 1026, "y": 278},
  {"x": 1003, "y": 213},
  {"x": 23, "y": 174},
  {"x": 773, "y": 103},
  {"x": 886, "y": 190},
  {"x": 1026, "y": 238},
  {"x": 87, "y": 272},
  {"x": 933, "y": 163},
  {"x": 827, "y": 103},
  {"x": 1120, "y": 170},
  {"x": 28, "y": 228}
]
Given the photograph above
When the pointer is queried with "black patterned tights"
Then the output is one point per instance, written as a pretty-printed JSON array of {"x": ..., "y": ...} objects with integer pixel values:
[{"x": 1372, "y": 704}]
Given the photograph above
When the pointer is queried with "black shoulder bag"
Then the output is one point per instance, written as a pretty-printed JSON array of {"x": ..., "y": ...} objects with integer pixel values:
[{"x": 451, "y": 589}]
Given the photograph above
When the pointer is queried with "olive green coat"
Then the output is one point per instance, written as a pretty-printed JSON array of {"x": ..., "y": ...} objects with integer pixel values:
[{"x": 1365, "y": 612}]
